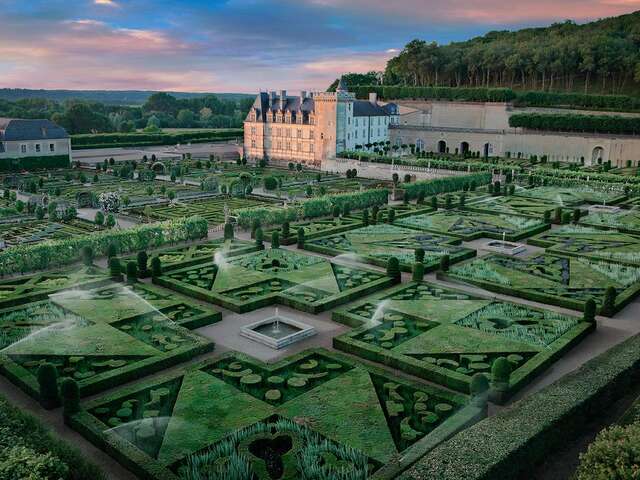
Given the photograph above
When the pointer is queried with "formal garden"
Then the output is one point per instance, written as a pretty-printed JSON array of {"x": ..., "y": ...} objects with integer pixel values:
[
  {"x": 145, "y": 335},
  {"x": 274, "y": 276},
  {"x": 376, "y": 244}
]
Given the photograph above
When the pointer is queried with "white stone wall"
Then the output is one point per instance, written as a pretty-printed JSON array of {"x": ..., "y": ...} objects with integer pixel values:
[{"x": 35, "y": 148}]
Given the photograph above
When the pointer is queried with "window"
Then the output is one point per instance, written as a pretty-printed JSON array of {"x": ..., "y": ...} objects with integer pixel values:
[
  {"x": 311, "y": 147},
  {"x": 349, "y": 120},
  {"x": 253, "y": 130},
  {"x": 52, "y": 147},
  {"x": 355, "y": 134},
  {"x": 278, "y": 132},
  {"x": 348, "y": 136},
  {"x": 299, "y": 133},
  {"x": 287, "y": 133},
  {"x": 299, "y": 147},
  {"x": 253, "y": 144},
  {"x": 356, "y": 122},
  {"x": 38, "y": 148},
  {"x": 311, "y": 134},
  {"x": 23, "y": 148},
  {"x": 279, "y": 145},
  {"x": 288, "y": 145}
]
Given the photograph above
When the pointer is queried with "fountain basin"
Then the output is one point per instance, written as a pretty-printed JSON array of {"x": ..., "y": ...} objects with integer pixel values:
[
  {"x": 277, "y": 332},
  {"x": 504, "y": 247},
  {"x": 603, "y": 209}
]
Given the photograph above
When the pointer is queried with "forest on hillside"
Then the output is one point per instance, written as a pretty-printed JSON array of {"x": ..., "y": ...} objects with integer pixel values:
[
  {"x": 601, "y": 57},
  {"x": 160, "y": 110}
]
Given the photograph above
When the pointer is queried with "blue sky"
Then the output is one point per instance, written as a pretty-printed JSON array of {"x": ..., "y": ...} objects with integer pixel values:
[{"x": 242, "y": 45}]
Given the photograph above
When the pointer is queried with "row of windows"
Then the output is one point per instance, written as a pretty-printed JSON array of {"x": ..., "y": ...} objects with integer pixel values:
[
  {"x": 372, "y": 122},
  {"x": 299, "y": 146},
  {"x": 278, "y": 132},
  {"x": 38, "y": 147}
]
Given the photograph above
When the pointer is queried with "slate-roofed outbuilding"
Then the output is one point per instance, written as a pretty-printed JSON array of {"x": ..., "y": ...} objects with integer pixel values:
[{"x": 15, "y": 130}]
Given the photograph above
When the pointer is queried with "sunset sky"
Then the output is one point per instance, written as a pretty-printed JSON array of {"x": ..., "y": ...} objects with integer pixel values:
[{"x": 242, "y": 45}]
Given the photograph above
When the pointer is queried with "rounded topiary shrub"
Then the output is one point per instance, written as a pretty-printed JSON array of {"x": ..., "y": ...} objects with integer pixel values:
[
  {"x": 112, "y": 250},
  {"x": 479, "y": 384},
  {"x": 336, "y": 211},
  {"x": 365, "y": 217},
  {"x": 275, "y": 240},
  {"x": 259, "y": 236},
  {"x": 445, "y": 262},
  {"x": 609, "y": 302},
  {"x": 70, "y": 393},
  {"x": 434, "y": 201},
  {"x": 143, "y": 260},
  {"x": 615, "y": 454},
  {"x": 419, "y": 254},
  {"x": 87, "y": 255},
  {"x": 300, "y": 237},
  {"x": 156, "y": 267},
  {"x": 132, "y": 272},
  {"x": 391, "y": 215},
  {"x": 500, "y": 373},
  {"x": 418, "y": 272},
  {"x": 48, "y": 385},
  {"x": 589, "y": 311},
  {"x": 286, "y": 230},
  {"x": 448, "y": 202},
  {"x": 228, "y": 231},
  {"x": 115, "y": 268},
  {"x": 393, "y": 268}
]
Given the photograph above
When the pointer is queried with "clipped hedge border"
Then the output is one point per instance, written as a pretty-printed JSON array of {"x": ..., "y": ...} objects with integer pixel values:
[
  {"x": 405, "y": 267},
  {"x": 444, "y": 185},
  {"x": 148, "y": 468},
  {"x": 442, "y": 376},
  {"x": 274, "y": 298},
  {"x": 511, "y": 443},
  {"x": 622, "y": 299},
  {"x": 92, "y": 141},
  {"x": 34, "y": 163}
]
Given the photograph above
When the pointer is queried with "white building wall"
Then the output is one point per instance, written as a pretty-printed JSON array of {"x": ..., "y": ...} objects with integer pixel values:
[{"x": 35, "y": 148}]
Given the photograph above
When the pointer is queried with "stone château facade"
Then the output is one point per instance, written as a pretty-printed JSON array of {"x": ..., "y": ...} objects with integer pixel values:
[
  {"x": 309, "y": 128},
  {"x": 23, "y": 140}
]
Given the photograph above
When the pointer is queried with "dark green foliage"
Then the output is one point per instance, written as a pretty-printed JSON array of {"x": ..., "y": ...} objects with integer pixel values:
[
  {"x": 270, "y": 183},
  {"x": 420, "y": 199},
  {"x": 566, "y": 217},
  {"x": 609, "y": 302},
  {"x": 115, "y": 268},
  {"x": 34, "y": 163},
  {"x": 286, "y": 230},
  {"x": 275, "y": 240},
  {"x": 462, "y": 201},
  {"x": 393, "y": 268},
  {"x": 99, "y": 218},
  {"x": 228, "y": 231},
  {"x": 30, "y": 451},
  {"x": 365, "y": 217},
  {"x": 254, "y": 226},
  {"x": 112, "y": 140},
  {"x": 444, "y": 185},
  {"x": 434, "y": 202},
  {"x": 259, "y": 236},
  {"x": 87, "y": 255},
  {"x": 70, "y": 393},
  {"x": 300, "y": 237},
  {"x": 613, "y": 455},
  {"x": 445, "y": 262},
  {"x": 132, "y": 272},
  {"x": 496, "y": 188},
  {"x": 142, "y": 259},
  {"x": 511, "y": 443},
  {"x": 576, "y": 215},
  {"x": 501, "y": 371},
  {"x": 448, "y": 202},
  {"x": 589, "y": 311},
  {"x": 48, "y": 385},
  {"x": 558, "y": 215},
  {"x": 479, "y": 384},
  {"x": 346, "y": 209},
  {"x": 576, "y": 123},
  {"x": 156, "y": 267},
  {"x": 374, "y": 214},
  {"x": 391, "y": 215},
  {"x": 379, "y": 217},
  {"x": 418, "y": 272},
  {"x": 336, "y": 211},
  {"x": 547, "y": 216},
  {"x": 419, "y": 254}
]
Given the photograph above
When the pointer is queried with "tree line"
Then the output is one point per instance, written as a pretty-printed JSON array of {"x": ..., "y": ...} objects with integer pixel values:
[
  {"x": 161, "y": 110},
  {"x": 597, "y": 57}
]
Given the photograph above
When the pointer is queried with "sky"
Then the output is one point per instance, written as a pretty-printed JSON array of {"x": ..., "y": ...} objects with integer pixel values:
[{"x": 243, "y": 45}]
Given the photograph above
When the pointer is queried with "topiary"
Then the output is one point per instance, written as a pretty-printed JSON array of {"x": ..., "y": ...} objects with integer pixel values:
[
  {"x": 374, "y": 214},
  {"x": 547, "y": 216},
  {"x": 112, "y": 250},
  {"x": 300, "y": 237},
  {"x": 391, "y": 215},
  {"x": 156, "y": 267},
  {"x": 479, "y": 384},
  {"x": 566, "y": 217},
  {"x": 286, "y": 230},
  {"x": 132, "y": 272},
  {"x": 418, "y": 272},
  {"x": 445, "y": 262},
  {"x": 558, "y": 215},
  {"x": 576, "y": 215},
  {"x": 379, "y": 218},
  {"x": 87, "y": 255},
  {"x": 609, "y": 302},
  {"x": 448, "y": 202},
  {"x": 420, "y": 199},
  {"x": 259, "y": 235},
  {"x": 434, "y": 202},
  {"x": 500, "y": 373},
  {"x": 228, "y": 231},
  {"x": 70, "y": 393},
  {"x": 336, "y": 211},
  {"x": 419, "y": 254},
  {"x": 365, "y": 217},
  {"x": 115, "y": 268},
  {"x": 48, "y": 385},
  {"x": 275, "y": 240},
  {"x": 589, "y": 311},
  {"x": 142, "y": 259},
  {"x": 393, "y": 268},
  {"x": 462, "y": 200}
]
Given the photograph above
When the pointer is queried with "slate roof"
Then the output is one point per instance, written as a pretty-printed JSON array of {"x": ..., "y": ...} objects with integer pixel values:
[
  {"x": 291, "y": 104},
  {"x": 12, "y": 129},
  {"x": 364, "y": 108}
]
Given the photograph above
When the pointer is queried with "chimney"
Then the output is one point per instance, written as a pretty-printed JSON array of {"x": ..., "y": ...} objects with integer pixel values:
[
  {"x": 373, "y": 98},
  {"x": 303, "y": 95},
  {"x": 283, "y": 99},
  {"x": 272, "y": 99}
]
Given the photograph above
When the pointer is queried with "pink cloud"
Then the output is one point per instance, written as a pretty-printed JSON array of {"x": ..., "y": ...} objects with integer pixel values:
[{"x": 488, "y": 11}]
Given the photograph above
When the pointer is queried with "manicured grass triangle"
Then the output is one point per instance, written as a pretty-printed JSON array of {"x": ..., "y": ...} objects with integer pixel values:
[
  {"x": 207, "y": 409},
  {"x": 346, "y": 410}
]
